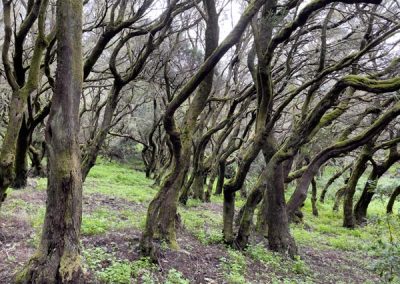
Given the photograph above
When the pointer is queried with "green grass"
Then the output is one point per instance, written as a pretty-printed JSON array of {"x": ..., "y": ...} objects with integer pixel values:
[
  {"x": 234, "y": 267},
  {"x": 103, "y": 220},
  {"x": 117, "y": 180},
  {"x": 203, "y": 224}
]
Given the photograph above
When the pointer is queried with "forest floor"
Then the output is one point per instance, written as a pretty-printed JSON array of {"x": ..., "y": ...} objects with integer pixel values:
[{"x": 115, "y": 202}]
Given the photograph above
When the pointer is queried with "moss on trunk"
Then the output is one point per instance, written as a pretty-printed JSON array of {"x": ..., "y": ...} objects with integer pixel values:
[{"x": 57, "y": 259}]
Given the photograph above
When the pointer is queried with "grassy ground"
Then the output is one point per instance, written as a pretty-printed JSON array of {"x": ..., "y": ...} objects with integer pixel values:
[{"x": 115, "y": 202}]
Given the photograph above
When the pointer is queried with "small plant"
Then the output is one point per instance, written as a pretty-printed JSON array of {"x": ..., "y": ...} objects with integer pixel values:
[
  {"x": 142, "y": 267},
  {"x": 109, "y": 269},
  {"x": 258, "y": 252},
  {"x": 118, "y": 272},
  {"x": 387, "y": 247},
  {"x": 299, "y": 266},
  {"x": 234, "y": 267},
  {"x": 175, "y": 277}
]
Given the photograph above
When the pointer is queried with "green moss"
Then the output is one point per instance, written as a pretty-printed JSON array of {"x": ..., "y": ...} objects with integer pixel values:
[
  {"x": 70, "y": 263},
  {"x": 367, "y": 84}
]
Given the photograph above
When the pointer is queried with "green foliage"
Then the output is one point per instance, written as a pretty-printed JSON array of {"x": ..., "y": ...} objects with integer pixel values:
[
  {"x": 386, "y": 249},
  {"x": 109, "y": 269},
  {"x": 234, "y": 267},
  {"x": 299, "y": 266},
  {"x": 41, "y": 184},
  {"x": 276, "y": 261},
  {"x": 98, "y": 222},
  {"x": 258, "y": 252},
  {"x": 175, "y": 277}
]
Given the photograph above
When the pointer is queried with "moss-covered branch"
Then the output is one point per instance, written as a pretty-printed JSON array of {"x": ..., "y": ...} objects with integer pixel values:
[{"x": 372, "y": 85}]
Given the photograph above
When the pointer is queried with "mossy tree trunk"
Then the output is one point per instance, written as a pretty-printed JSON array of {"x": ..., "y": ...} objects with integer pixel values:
[
  {"x": 247, "y": 214},
  {"x": 314, "y": 197},
  {"x": 21, "y": 157},
  {"x": 359, "y": 168},
  {"x": 221, "y": 177},
  {"x": 389, "y": 207},
  {"x": 262, "y": 77},
  {"x": 37, "y": 156},
  {"x": 279, "y": 238},
  {"x": 58, "y": 259}
]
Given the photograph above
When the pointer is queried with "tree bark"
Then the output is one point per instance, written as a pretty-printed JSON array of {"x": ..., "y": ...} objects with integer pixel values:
[
  {"x": 21, "y": 157},
  {"x": 279, "y": 238},
  {"x": 37, "y": 155},
  {"x": 314, "y": 197},
  {"x": 221, "y": 177},
  {"x": 360, "y": 209},
  {"x": 389, "y": 207},
  {"x": 247, "y": 213},
  {"x": 57, "y": 259},
  {"x": 359, "y": 168}
]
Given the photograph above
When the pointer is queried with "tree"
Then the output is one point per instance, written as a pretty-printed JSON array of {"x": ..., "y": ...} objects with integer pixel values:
[{"x": 57, "y": 259}]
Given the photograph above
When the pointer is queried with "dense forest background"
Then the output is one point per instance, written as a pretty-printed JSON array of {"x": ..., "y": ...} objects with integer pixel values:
[{"x": 200, "y": 141}]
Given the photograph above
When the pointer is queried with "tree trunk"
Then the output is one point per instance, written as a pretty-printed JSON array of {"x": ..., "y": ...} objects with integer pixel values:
[
  {"x": 262, "y": 222},
  {"x": 160, "y": 220},
  {"x": 246, "y": 220},
  {"x": 389, "y": 207},
  {"x": 21, "y": 157},
  {"x": 58, "y": 257},
  {"x": 228, "y": 216},
  {"x": 221, "y": 177},
  {"x": 210, "y": 186},
  {"x": 198, "y": 184},
  {"x": 186, "y": 187},
  {"x": 360, "y": 210},
  {"x": 17, "y": 106},
  {"x": 8, "y": 150},
  {"x": 359, "y": 168},
  {"x": 279, "y": 238},
  {"x": 314, "y": 197},
  {"x": 338, "y": 197},
  {"x": 37, "y": 155}
]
